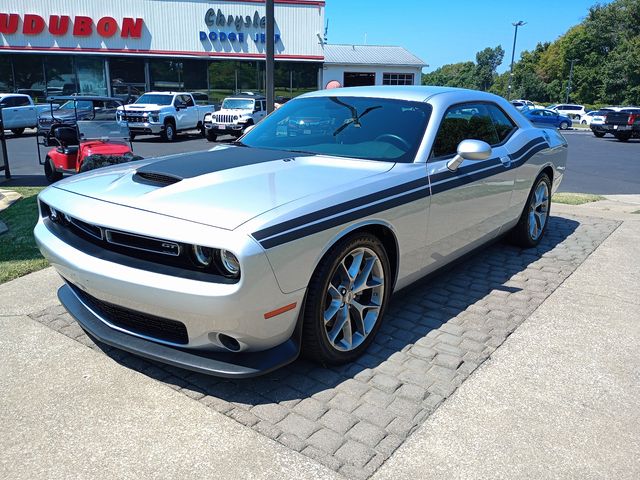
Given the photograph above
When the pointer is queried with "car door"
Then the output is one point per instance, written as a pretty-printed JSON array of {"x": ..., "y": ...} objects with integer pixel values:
[
  {"x": 471, "y": 204},
  {"x": 25, "y": 112},
  {"x": 537, "y": 117},
  {"x": 191, "y": 112},
  {"x": 181, "y": 112}
]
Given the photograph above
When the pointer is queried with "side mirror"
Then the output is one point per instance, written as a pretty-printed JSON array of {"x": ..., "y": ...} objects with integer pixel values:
[{"x": 469, "y": 150}]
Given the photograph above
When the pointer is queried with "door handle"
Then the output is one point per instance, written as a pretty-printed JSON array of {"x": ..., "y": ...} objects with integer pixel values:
[{"x": 506, "y": 161}]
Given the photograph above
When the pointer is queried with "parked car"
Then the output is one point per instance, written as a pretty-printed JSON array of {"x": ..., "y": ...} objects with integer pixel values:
[
  {"x": 548, "y": 118},
  {"x": 19, "y": 112},
  {"x": 597, "y": 120},
  {"x": 230, "y": 261},
  {"x": 575, "y": 112},
  {"x": 164, "y": 114},
  {"x": 236, "y": 114},
  {"x": 73, "y": 108},
  {"x": 624, "y": 124},
  {"x": 522, "y": 104}
]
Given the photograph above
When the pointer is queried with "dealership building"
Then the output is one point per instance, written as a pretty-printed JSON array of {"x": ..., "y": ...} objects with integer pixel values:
[{"x": 59, "y": 47}]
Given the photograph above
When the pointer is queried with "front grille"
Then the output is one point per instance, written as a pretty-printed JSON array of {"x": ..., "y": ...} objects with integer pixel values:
[
  {"x": 220, "y": 118},
  {"x": 136, "y": 322}
]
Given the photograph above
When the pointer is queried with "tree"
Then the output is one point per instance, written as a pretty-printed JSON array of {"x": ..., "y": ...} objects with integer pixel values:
[
  {"x": 461, "y": 75},
  {"x": 487, "y": 62}
]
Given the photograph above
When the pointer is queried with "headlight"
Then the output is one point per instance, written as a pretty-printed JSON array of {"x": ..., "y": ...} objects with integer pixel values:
[
  {"x": 235, "y": 117},
  {"x": 202, "y": 255},
  {"x": 230, "y": 263}
]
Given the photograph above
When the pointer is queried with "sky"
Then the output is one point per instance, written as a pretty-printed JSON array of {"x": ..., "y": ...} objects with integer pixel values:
[{"x": 451, "y": 31}]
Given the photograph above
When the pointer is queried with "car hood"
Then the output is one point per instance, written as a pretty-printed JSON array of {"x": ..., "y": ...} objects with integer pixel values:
[
  {"x": 224, "y": 187},
  {"x": 142, "y": 107}
]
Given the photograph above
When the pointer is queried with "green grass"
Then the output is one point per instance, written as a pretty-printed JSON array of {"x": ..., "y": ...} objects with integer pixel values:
[
  {"x": 18, "y": 252},
  {"x": 575, "y": 198}
]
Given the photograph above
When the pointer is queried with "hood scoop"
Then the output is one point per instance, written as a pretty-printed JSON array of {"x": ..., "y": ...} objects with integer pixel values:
[{"x": 155, "y": 179}]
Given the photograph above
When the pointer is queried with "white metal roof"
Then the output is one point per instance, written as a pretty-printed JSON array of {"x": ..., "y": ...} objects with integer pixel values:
[{"x": 370, "y": 55}]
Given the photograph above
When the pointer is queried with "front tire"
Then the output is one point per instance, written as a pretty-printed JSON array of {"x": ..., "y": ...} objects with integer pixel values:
[
  {"x": 169, "y": 133},
  {"x": 346, "y": 300},
  {"x": 599, "y": 134},
  {"x": 17, "y": 131},
  {"x": 535, "y": 216},
  {"x": 211, "y": 136},
  {"x": 50, "y": 172}
]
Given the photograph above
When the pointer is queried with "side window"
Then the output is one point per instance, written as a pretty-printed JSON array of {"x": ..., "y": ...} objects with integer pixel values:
[
  {"x": 9, "y": 102},
  {"x": 188, "y": 100},
  {"x": 258, "y": 106},
  {"x": 461, "y": 122},
  {"x": 21, "y": 102},
  {"x": 264, "y": 105},
  {"x": 503, "y": 124}
]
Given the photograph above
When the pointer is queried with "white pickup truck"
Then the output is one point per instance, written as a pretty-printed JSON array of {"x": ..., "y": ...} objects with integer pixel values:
[
  {"x": 163, "y": 113},
  {"x": 19, "y": 112}
]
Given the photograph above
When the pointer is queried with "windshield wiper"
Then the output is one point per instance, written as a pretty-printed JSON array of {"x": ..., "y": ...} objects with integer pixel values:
[
  {"x": 238, "y": 143},
  {"x": 355, "y": 118}
]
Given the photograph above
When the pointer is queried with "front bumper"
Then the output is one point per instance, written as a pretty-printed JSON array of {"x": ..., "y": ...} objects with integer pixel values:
[
  {"x": 222, "y": 364},
  {"x": 225, "y": 127},
  {"x": 146, "y": 128}
]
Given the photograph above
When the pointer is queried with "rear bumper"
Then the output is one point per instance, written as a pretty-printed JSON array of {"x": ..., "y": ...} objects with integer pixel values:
[{"x": 222, "y": 364}]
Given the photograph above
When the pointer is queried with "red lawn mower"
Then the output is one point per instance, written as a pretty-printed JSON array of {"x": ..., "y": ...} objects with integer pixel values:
[{"x": 84, "y": 136}]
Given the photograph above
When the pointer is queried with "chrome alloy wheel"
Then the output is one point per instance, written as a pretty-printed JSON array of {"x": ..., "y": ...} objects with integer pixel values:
[
  {"x": 353, "y": 299},
  {"x": 538, "y": 210}
]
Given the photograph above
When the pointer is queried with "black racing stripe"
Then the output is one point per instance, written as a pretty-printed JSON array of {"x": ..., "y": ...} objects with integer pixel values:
[
  {"x": 200, "y": 163},
  {"x": 347, "y": 217},
  {"x": 290, "y": 231},
  {"x": 521, "y": 161},
  {"x": 329, "y": 211},
  {"x": 523, "y": 150}
]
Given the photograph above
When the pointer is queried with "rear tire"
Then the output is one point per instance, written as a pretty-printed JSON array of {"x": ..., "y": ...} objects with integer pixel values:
[
  {"x": 346, "y": 299},
  {"x": 17, "y": 131},
  {"x": 622, "y": 137},
  {"x": 50, "y": 172},
  {"x": 599, "y": 134},
  {"x": 564, "y": 125},
  {"x": 535, "y": 216}
]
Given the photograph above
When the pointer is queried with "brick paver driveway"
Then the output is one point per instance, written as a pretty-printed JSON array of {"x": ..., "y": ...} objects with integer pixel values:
[{"x": 435, "y": 334}]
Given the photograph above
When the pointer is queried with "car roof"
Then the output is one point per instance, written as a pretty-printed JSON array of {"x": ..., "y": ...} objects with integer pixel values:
[
  {"x": 246, "y": 95},
  {"x": 90, "y": 98},
  {"x": 2, "y": 95},
  {"x": 415, "y": 93}
]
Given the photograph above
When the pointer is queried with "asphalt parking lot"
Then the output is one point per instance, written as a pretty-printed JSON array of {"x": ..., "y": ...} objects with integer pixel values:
[{"x": 602, "y": 166}]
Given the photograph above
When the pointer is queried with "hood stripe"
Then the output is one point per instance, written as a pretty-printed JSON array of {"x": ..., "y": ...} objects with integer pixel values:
[
  {"x": 401, "y": 194},
  {"x": 193, "y": 165}
]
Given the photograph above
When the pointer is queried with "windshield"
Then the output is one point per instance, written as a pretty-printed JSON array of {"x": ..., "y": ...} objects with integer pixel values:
[
  {"x": 356, "y": 127},
  {"x": 79, "y": 104},
  {"x": 104, "y": 130},
  {"x": 237, "y": 104},
  {"x": 155, "y": 99}
]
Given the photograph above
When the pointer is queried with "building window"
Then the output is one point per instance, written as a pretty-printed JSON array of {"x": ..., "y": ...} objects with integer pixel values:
[{"x": 397, "y": 79}]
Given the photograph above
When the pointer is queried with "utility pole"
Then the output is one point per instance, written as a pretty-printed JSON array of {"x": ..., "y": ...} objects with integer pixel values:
[
  {"x": 517, "y": 24},
  {"x": 570, "y": 80},
  {"x": 270, "y": 60}
]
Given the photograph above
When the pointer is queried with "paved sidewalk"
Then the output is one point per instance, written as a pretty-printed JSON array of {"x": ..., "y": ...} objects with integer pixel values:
[
  {"x": 557, "y": 399},
  {"x": 560, "y": 398}
]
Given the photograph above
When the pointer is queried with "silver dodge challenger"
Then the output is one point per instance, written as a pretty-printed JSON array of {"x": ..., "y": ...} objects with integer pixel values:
[{"x": 235, "y": 260}]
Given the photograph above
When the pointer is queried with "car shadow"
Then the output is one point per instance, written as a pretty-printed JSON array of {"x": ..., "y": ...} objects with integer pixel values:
[
  {"x": 181, "y": 137},
  {"x": 24, "y": 181},
  {"x": 414, "y": 312}
]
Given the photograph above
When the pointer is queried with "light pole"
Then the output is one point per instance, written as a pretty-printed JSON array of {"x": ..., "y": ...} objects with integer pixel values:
[
  {"x": 570, "y": 79},
  {"x": 270, "y": 61},
  {"x": 517, "y": 24}
]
